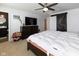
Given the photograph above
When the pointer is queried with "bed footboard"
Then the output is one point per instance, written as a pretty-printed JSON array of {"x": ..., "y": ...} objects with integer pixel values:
[
  {"x": 28, "y": 45},
  {"x": 34, "y": 49}
]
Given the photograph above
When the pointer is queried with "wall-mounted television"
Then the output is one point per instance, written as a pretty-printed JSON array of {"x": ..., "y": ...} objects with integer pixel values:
[{"x": 30, "y": 21}]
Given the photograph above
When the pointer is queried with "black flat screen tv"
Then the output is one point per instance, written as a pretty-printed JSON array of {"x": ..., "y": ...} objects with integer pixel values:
[{"x": 30, "y": 21}]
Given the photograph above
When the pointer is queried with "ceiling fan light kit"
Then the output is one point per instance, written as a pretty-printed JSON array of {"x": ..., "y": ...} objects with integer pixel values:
[{"x": 45, "y": 9}]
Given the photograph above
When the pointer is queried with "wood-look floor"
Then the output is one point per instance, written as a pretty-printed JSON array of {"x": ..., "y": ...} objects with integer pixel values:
[{"x": 18, "y": 48}]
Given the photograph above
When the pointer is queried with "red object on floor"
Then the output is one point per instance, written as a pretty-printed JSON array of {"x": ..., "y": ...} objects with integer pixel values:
[{"x": 16, "y": 36}]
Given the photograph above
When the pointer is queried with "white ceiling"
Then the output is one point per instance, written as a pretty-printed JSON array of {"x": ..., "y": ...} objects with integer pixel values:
[{"x": 32, "y": 6}]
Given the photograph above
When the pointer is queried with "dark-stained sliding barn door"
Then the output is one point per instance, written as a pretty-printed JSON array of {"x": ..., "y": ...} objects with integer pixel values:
[{"x": 62, "y": 22}]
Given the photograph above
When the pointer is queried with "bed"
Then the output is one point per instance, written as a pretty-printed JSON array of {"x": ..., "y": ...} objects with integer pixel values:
[{"x": 54, "y": 43}]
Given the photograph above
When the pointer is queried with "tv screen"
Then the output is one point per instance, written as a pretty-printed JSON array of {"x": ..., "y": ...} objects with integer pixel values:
[{"x": 30, "y": 21}]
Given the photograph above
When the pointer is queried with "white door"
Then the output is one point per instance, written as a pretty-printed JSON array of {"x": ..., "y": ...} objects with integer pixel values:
[{"x": 51, "y": 23}]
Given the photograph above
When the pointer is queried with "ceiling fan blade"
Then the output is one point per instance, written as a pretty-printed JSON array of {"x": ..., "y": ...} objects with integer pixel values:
[
  {"x": 51, "y": 9},
  {"x": 52, "y": 5},
  {"x": 41, "y": 4},
  {"x": 39, "y": 9}
]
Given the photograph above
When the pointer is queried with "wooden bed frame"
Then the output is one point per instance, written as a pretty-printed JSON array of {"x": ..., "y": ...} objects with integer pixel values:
[{"x": 36, "y": 50}]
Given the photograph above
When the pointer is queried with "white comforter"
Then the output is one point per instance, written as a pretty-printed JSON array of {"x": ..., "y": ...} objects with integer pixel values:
[{"x": 57, "y": 43}]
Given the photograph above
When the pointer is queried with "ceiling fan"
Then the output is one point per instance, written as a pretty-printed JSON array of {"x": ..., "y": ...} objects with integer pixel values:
[{"x": 46, "y": 7}]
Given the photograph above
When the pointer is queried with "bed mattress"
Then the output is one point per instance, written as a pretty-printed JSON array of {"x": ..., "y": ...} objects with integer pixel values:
[{"x": 57, "y": 43}]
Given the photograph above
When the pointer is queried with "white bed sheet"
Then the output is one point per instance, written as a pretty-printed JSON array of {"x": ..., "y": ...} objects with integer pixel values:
[{"x": 57, "y": 43}]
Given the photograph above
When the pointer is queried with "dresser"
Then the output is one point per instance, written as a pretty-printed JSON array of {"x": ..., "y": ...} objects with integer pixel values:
[{"x": 28, "y": 30}]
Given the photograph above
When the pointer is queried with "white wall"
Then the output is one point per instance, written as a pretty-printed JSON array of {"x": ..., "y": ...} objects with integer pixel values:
[
  {"x": 72, "y": 20},
  {"x": 14, "y": 26}
]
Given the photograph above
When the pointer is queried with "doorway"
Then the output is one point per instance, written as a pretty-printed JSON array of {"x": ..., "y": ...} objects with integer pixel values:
[{"x": 3, "y": 26}]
